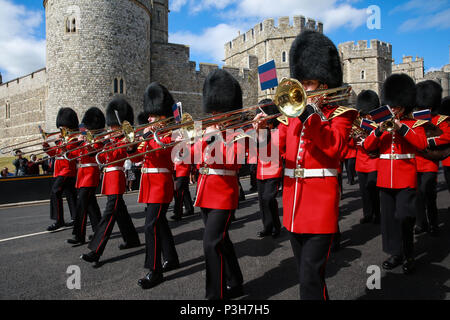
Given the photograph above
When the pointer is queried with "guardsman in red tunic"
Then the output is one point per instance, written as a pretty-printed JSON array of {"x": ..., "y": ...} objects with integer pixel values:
[
  {"x": 350, "y": 162},
  {"x": 218, "y": 190},
  {"x": 366, "y": 162},
  {"x": 444, "y": 112},
  {"x": 156, "y": 189},
  {"x": 113, "y": 186},
  {"x": 64, "y": 171},
  {"x": 429, "y": 95},
  {"x": 313, "y": 144},
  {"x": 88, "y": 178},
  {"x": 269, "y": 172},
  {"x": 397, "y": 172},
  {"x": 182, "y": 195}
]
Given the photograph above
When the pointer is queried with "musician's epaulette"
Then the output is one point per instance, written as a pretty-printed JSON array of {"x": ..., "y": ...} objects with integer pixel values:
[
  {"x": 340, "y": 111},
  {"x": 419, "y": 123},
  {"x": 441, "y": 119},
  {"x": 141, "y": 145}
]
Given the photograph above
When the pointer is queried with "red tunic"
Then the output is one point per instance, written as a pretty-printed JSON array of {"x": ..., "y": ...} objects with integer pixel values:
[
  {"x": 63, "y": 167},
  {"x": 364, "y": 162},
  {"x": 217, "y": 191},
  {"x": 270, "y": 169},
  {"x": 397, "y": 173},
  {"x": 156, "y": 187},
  {"x": 182, "y": 169},
  {"x": 351, "y": 149},
  {"x": 113, "y": 181},
  {"x": 310, "y": 205},
  {"x": 88, "y": 175}
]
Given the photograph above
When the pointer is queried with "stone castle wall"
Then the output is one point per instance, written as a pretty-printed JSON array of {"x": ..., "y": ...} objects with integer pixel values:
[
  {"x": 267, "y": 41},
  {"x": 365, "y": 67},
  {"x": 414, "y": 68},
  {"x": 172, "y": 68},
  {"x": 26, "y": 97},
  {"x": 112, "y": 40}
]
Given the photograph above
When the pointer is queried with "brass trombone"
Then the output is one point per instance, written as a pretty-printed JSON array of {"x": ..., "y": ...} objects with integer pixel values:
[
  {"x": 186, "y": 117},
  {"x": 290, "y": 99}
]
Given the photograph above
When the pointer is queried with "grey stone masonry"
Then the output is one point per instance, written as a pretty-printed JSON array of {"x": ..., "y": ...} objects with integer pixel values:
[
  {"x": 365, "y": 66},
  {"x": 111, "y": 40},
  {"x": 267, "y": 41}
]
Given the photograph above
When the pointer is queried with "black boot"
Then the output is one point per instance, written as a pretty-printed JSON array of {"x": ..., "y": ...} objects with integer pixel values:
[{"x": 152, "y": 279}]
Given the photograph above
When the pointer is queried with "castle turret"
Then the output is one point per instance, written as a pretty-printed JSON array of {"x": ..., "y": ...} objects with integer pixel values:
[
  {"x": 96, "y": 49},
  {"x": 366, "y": 67},
  {"x": 160, "y": 21}
]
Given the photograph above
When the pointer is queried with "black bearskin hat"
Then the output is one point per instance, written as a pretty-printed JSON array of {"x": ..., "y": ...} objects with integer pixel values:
[
  {"x": 399, "y": 90},
  {"x": 124, "y": 110},
  {"x": 93, "y": 119},
  {"x": 158, "y": 100},
  {"x": 143, "y": 118},
  {"x": 428, "y": 95},
  {"x": 67, "y": 118},
  {"x": 367, "y": 101},
  {"x": 221, "y": 92},
  {"x": 313, "y": 56},
  {"x": 444, "y": 109}
]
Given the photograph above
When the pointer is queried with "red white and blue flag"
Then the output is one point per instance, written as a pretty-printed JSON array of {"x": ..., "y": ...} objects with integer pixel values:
[
  {"x": 268, "y": 75},
  {"x": 82, "y": 129},
  {"x": 177, "y": 110},
  {"x": 367, "y": 125},
  {"x": 382, "y": 114},
  {"x": 422, "y": 115}
]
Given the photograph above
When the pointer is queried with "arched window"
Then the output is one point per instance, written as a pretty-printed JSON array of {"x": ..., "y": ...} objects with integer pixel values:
[
  {"x": 245, "y": 38},
  {"x": 159, "y": 16},
  {"x": 283, "y": 56},
  {"x": 260, "y": 27},
  {"x": 74, "y": 25},
  {"x": 363, "y": 75},
  {"x": 121, "y": 86},
  {"x": 68, "y": 25},
  {"x": 116, "y": 86},
  {"x": 8, "y": 110},
  {"x": 71, "y": 25}
]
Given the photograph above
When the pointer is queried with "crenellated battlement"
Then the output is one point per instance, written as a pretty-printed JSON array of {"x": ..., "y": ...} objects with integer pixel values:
[
  {"x": 363, "y": 48},
  {"x": 270, "y": 29}
]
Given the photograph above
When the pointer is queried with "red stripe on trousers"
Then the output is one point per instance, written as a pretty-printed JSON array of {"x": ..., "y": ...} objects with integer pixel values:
[{"x": 101, "y": 241}]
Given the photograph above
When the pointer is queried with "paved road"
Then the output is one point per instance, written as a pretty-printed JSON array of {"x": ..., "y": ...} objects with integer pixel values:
[{"x": 34, "y": 266}]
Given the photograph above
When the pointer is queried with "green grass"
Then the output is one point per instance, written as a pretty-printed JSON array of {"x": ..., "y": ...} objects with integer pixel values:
[{"x": 7, "y": 162}]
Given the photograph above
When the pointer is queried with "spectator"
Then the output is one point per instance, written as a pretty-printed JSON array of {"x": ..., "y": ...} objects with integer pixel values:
[
  {"x": 20, "y": 163},
  {"x": 130, "y": 174},
  {"x": 5, "y": 173},
  {"x": 47, "y": 165},
  {"x": 33, "y": 165}
]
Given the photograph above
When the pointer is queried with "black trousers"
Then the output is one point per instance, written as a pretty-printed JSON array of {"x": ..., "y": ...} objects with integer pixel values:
[
  {"x": 182, "y": 196},
  {"x": 63, "y": 185},
  {"x": 427, "y": 214},
  {"x": 115, "y": 210},
  {"x": 158, "y": 237},
  {"x": 222, "y": 266},
  {"x": 253, "y": 182},
  {"x": 311, "y": 252},
  {"x": 350, "y": 169},
  {"x": 268, "y": 205},
  {"x": 370, "y": 194},
  {"x": 86, "y": 205},
  {"x": 447, "y": 176},
  {"x": 398, "y": 212}
]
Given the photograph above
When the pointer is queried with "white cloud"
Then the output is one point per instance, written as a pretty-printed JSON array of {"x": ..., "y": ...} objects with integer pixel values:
[
  {"x": 420, "y": 6},
  {"x": 21, "y": 52},
  {"x": 432, "y": 69},
  {"x": 440, "y": 20},
  {"x": 210, "y": 43}
]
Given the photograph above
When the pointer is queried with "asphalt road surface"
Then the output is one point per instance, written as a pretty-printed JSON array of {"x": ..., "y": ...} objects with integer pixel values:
[{"x": 34, "y": 263}]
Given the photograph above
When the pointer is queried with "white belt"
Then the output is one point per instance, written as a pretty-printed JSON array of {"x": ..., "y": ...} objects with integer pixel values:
[
  {"x": 60, "y": 158},
  {"x": 155, "y": 170},
  {"x": 218, "y": 172},
  {"x": 114, "y": 169},
  {"x": 310, "y": 173},
  {"x": 391, "y": 156},
  {"x": 85, "y": 165}
]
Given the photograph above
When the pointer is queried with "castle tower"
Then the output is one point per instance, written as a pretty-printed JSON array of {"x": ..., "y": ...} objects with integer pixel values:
[
  {"x": 96, "y": 49},
  {"x": 160, "y": 21},
  {"x": 366, "y": 67},
  {"x": 267, "y": 42}
]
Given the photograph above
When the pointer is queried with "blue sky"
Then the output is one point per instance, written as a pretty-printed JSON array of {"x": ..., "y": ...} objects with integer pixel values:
[{"x": 413, "y": 27}]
